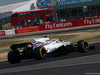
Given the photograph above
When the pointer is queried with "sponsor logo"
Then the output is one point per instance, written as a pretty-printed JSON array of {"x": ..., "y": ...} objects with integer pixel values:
[
  {"x": 2, "y": 32},
  {"x": 59, "y": 25},
  {"x": 92, "y": 21}
]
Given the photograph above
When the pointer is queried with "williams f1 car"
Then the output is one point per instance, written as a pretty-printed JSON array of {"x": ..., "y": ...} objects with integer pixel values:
[{"x": 43, "y": 47}]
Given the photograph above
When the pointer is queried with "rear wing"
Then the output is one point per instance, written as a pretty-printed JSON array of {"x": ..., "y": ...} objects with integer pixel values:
[{"x": 15, "y": 46}]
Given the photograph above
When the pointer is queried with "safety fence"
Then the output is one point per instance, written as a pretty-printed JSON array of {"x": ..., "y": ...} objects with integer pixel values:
[
  {"x": 54, "y": 25},
  {"x": 68, "y": 24}
]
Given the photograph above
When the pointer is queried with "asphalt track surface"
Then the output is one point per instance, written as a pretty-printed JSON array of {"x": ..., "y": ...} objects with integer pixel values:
[{"x": 72, "y": 64}]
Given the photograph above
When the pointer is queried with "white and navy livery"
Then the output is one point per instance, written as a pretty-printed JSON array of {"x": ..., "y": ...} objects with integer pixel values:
[{"x": 42, "y": 47}]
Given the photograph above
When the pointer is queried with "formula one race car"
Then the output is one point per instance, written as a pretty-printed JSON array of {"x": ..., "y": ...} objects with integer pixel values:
[{"x": 43, "y": 47}]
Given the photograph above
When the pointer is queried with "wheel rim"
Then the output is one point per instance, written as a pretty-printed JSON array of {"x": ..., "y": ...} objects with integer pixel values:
[
  {"x": 43, "y": 53},
  {"x": 86, "y": 46}
]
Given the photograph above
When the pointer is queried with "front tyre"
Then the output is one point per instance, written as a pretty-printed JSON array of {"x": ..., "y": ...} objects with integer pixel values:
[
  {"x": 14, "y": 57},
  {"x": 82, "y": 46},
  {"x": 40, "y": 53}
]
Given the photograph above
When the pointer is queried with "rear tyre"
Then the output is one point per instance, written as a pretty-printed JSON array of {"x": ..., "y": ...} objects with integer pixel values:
[
  {"x": 40, "y": 53},
  {"x": 14, "y": 57},
  {"x": 82, "y": 46}
]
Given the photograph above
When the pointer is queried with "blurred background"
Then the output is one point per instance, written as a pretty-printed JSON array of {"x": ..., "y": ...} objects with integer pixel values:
[{"x": 66, "y": 9}]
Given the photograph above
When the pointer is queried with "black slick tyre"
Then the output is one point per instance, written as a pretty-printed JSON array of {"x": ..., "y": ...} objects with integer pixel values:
[
  {"x": 40, "y": 53},
  {"x": 82, "y": 46},
  {"x": 14, "y": 57}
]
